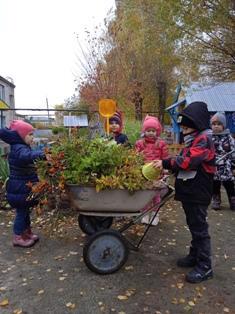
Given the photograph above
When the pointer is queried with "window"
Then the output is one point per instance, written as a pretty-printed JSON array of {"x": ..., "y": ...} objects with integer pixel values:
[
  {"x": 11, "y": 101},
  {"x": 2, "y": 92},
  {"x": 2, "y": 121}
]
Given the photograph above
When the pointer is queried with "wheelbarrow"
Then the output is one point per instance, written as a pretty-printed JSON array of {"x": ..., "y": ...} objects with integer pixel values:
[{"x": 106, "y": 250}]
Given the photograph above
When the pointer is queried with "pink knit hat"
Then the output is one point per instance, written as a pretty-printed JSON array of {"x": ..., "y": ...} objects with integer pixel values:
[
  {"x": 21, "y": 127},
  {"x": 153, "y": 123}
]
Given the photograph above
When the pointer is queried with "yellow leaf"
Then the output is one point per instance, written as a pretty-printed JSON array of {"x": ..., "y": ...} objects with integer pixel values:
[
  {"x": 70, "y": 305},
  {"x": 191, "y": 303},
  {"x": 174, "y": 301},
  {"x": 41, "y": 291},
  {"x": 17, "y": 311},
  {"x": 122, "y": 297},
  {"x": 73, "y": 253},
  {"x": 181, "y": 300},
  {"x": 4, "y": 302},
  {"x": 226, "y": 256},
  {"x": 129, "y": 268},
  {"x": 179, "y": 285}
]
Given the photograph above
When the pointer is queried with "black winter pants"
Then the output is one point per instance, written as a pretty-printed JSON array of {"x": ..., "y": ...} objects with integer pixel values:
[
  {"x": 228, "y": 185},
  {"x": 196, "y": 217}
]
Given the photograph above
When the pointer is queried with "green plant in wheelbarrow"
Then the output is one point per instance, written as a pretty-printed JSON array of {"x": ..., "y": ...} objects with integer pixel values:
[{"x": 112, "y": 170}]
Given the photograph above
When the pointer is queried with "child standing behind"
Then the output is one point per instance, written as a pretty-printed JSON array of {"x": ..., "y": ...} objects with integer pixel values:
[
  {"x": 152, "y": 147},
  {"x": 224, "y": 143},
  {"x": 22, "y": 171},
  {"x": 116, "y": 126}
]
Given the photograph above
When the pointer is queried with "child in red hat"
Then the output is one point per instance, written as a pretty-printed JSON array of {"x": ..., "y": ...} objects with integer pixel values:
[
  {"x": 153, "y": 148},
  {"x": 22, "y": 171}
]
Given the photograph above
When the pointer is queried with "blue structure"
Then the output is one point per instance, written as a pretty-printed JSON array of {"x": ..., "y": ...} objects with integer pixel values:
[{"x": 218, "y": 97}]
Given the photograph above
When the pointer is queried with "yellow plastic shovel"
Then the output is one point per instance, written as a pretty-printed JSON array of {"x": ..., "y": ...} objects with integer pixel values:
[{"x": 107, "y": 108}]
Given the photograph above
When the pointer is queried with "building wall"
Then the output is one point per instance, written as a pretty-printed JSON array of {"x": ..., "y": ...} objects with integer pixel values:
[{"x": 8, "y": 96}]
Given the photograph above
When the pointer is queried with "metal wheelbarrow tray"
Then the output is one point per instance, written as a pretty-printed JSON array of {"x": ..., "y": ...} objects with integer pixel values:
[
  {"x": 107, "y": 202},
  {"x": 106, "y": 250}
]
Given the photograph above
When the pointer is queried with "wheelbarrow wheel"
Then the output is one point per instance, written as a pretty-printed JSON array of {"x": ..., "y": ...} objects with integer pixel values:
[
  {"x": 105, "y": 252},
  {"x": 93, "y": 224}
]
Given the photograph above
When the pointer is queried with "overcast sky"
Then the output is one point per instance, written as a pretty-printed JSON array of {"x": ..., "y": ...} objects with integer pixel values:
[{"x": 38, "y": 45}]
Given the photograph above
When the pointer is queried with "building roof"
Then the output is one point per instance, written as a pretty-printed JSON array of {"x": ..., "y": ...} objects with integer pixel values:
[
  {"x": 7, "y": 81},
  {"x": 218, "y": 97}
]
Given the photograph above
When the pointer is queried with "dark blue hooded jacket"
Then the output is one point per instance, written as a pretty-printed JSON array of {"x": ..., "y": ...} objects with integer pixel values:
[{"x": 22, "y": 169}]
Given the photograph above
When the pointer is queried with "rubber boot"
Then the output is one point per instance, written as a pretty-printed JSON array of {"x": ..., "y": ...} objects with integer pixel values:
[
  {"x": 232, "y": 202},
  {"x": 22, "y": 241},
  {"x": 199, "y": 274},
  {"x": 29, "y": 234},
  {"x": 216, "y": 201},
  {"x": 189, "y": 260}
]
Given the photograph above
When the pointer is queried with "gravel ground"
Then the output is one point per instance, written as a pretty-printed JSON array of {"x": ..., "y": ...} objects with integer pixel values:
[{"x": 52, "y": 278}]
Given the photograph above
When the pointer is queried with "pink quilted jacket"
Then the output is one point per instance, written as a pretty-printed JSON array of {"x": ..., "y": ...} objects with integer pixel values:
[{"x": 152, "y": 149}]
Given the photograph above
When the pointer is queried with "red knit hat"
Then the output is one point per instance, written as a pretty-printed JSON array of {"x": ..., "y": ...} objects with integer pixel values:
[
  {"x": 21, "y": 127},
  {"x": 117, "y": 117},
  {"x": 153, "y": 123}
]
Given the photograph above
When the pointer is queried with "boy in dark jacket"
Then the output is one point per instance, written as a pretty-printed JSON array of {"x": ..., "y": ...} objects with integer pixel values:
[
  {"x": 22, "y": 171},
  {"x": 194, "y": 169}
]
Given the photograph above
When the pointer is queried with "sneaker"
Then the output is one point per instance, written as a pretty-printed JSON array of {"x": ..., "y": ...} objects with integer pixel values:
[
  {"x": 22, "y": 241},
  {"x": 29, "y": 234},
  {"x": 216, "y": 201},
  {"x": 198, "y": 275},
  {"x": 187, "y": 261},
  {"x": 155, "y": 220},
  {"x": 232, "y": 202},
  {"x": 145, "y": 219}
]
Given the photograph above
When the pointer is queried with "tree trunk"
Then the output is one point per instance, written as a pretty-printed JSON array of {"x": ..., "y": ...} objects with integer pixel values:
[
  {"x": 138, "y": 101},
  {"x": 162, "y": 100}
]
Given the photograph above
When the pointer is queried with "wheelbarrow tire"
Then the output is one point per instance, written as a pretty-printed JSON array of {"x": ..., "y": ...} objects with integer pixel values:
[
  {"x": 105, "y": 252},
  {"x": 92, "y": 224}
]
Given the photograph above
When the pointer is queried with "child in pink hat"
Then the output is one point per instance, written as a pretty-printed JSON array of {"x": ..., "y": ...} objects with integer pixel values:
[
  {"x": 22, "y": 172},
  {"x": 153, "y": 148}
]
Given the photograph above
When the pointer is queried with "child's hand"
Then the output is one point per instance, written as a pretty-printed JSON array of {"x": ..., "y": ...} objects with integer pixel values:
[
  {"x": 157, "y": 164},
  {"x": 48, "y": 157}
]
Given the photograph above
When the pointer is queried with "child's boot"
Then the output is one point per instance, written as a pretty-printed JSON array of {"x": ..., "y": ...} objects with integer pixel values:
[
  {"x": 155, "y": 220},
  {"x": 189, "y": 260},
  {"x": 145, "y": 220},
  {"x": 216, "y": 201},
  {"x": 232, "y": 202},
  {"x": 199, "y": 274},
  {"x": 22, "y": 241},
  {"x": 29, "y": 234}
]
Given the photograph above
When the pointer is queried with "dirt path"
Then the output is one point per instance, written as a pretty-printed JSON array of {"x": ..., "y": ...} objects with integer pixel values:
[{"x": 52, "y": 278}]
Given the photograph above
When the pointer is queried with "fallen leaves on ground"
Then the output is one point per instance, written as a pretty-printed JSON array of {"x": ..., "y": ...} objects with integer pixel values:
[{"x": 4, "y": 302}]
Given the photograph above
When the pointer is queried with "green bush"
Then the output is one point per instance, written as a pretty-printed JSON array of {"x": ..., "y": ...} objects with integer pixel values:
[
  {"x": 4, "y": 169},
  {"x": 132, "y": 130},
  {"x": 58, "y": 129}
]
